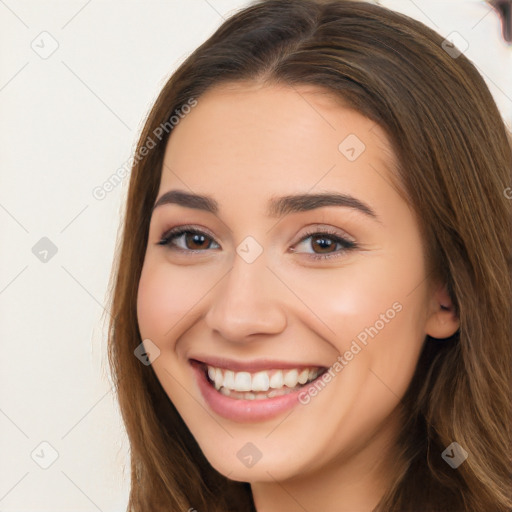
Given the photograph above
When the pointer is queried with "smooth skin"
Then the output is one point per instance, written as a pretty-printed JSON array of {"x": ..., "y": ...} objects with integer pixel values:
[{"x": 243, "y": 144}]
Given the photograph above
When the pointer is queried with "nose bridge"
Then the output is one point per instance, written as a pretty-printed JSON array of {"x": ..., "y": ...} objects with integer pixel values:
[{"x": 245, "y": 302}]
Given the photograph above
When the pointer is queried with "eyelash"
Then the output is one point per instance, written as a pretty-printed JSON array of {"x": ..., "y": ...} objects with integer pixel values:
[{"x": 347, "y": 245}]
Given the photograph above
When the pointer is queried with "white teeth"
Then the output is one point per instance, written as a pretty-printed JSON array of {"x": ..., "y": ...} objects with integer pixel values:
[
  {"x": 242, "y": 381},
  {"x": 291, "y": 378},
  {"x": 225, "y": 391},
  {"x": 226, "y": 381},
  {"x": 276, "y": 381},
  {"x": 260, "y": 381},
  {"x": 219, "y": 378},
  {"x": 229, "y": 379},
  {"x": 303, "y": 376}
]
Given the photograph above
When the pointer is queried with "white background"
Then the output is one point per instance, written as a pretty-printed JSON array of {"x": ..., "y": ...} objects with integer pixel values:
[{"x": 67, "y": 123}]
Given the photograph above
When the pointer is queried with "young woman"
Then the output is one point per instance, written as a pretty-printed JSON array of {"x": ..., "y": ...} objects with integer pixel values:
[{"x": 311, "y": 299}]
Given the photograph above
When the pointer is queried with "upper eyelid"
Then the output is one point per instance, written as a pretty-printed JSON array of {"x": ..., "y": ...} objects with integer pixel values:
[{"x": 179, "y": 230}]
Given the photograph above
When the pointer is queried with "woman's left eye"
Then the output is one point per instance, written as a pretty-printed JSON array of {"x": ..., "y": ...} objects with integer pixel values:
[
  {"x": 327, "y": 241},
  {"x": 192, "y": 240}
]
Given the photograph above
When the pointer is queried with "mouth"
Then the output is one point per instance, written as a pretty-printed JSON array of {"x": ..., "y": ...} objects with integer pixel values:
[
  {"x": 251, "y": 392},
  {"x": 263, "y": 384}
]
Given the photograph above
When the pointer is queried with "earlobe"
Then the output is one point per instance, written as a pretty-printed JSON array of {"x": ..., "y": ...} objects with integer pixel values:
[{"x": 442, "y": 321}]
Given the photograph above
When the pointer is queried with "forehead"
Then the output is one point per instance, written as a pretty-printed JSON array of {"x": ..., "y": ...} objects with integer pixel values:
[{"x": 253, "y": 140}]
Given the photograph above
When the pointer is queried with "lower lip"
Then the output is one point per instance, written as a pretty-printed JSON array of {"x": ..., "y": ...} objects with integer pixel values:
[{"x": 244, "y": 411}]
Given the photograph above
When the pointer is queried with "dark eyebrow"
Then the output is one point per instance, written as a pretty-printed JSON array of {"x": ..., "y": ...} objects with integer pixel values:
[
  {"x": 188, "y": 200},
  {"x": 277, "y": 206}
]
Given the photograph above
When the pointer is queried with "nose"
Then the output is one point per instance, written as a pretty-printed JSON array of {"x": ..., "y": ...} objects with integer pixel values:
[{"x": 246, "y": 302}]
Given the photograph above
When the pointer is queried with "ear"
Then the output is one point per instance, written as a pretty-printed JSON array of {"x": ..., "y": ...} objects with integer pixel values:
[{"x": 442, "y": 321}]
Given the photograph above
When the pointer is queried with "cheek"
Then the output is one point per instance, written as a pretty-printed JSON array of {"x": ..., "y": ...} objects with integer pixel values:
[
  {"x": 165, "y": 297},
  {"x": 374, "y": 310},
  {"x": 152, "y": 301},
  {"x": 350, "y": 300},
  {"x": 380, "y": 316}
]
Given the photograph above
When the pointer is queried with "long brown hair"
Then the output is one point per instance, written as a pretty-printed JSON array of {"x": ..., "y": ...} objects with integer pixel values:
[{"x": 454, "y": 164}]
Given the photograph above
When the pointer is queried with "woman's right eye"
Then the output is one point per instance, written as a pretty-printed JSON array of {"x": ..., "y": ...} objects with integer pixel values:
[{"x": 186, "y": 239}]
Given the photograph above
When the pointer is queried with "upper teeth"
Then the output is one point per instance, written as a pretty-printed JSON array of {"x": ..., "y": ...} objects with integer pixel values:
[{"x": 261, "y": 381}]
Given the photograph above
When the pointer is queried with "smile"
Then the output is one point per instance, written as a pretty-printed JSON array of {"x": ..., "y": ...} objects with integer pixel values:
[
  {"x": 256, "y": 386},
  {"x": 252, "y": 392}
]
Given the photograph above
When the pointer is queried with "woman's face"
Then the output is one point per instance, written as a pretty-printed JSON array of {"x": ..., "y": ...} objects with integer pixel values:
[{"x": 274, "y": 284}]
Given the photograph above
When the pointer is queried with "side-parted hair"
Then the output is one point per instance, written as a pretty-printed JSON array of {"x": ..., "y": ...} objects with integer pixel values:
[{"x": 455, "y": 166}]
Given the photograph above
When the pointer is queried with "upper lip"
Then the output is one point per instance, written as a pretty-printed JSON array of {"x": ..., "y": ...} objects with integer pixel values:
[{"x": 251, "y": 366}]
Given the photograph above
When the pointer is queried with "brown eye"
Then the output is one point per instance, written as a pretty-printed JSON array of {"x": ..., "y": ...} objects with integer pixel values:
[
  {"x": 187, "y": 240},
  {"x": 324, "y": 243},
  {"x": 195, "y": 240}
]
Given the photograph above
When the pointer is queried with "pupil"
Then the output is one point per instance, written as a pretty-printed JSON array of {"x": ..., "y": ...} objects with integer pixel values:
[
  {"x": 324, "y": 241},
  {"x": 197, "y": 238}
]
